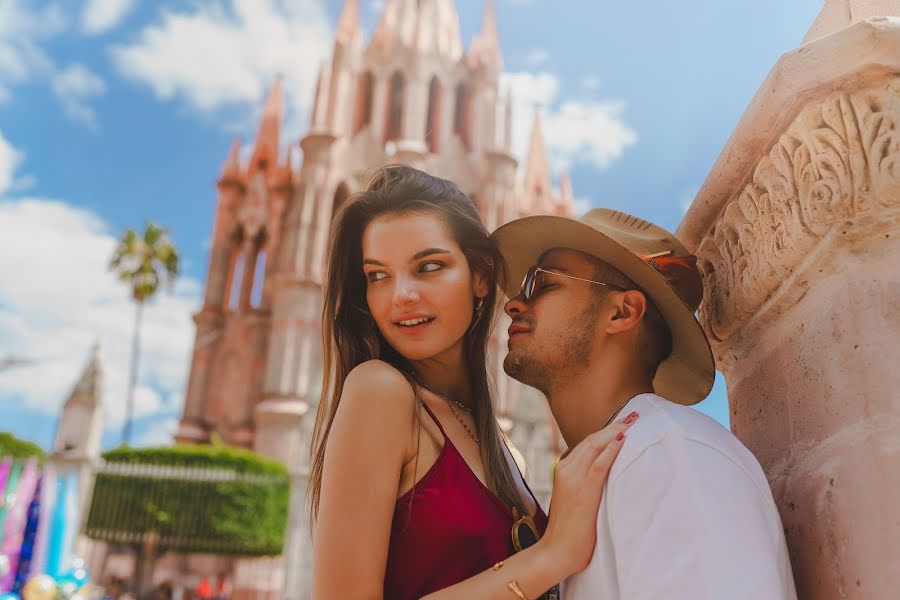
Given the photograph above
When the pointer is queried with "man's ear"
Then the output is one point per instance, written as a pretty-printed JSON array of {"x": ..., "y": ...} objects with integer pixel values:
[{"x": 628, "y": 309}]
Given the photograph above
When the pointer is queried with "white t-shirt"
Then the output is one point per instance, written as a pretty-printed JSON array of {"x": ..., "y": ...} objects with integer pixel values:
[{"x": 687, "y": 514}]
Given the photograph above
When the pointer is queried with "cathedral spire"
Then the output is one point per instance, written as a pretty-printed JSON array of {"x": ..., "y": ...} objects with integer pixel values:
[
  {"x": 430, "y": 26},
  {"x": 320, "y": 104},
  {"x": 266, "y": 149},
  {"x": 486, "y": 44},
  {"x": 537, "y": 169},
  {"x": 87, "y": 391},
  {"x": 566, "y": 206},
  {"x": 80, "y": 422},
  {"x": 232, "y": 166},
  {"x": 349, "y": 29}
]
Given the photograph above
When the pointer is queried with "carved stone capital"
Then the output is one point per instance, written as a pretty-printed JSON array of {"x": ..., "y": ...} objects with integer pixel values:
[{"x": 832, "y": 179}]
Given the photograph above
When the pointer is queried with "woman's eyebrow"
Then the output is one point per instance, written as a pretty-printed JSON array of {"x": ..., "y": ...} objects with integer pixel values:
[
  {"x": 429, "y": 252},
  {"x": 416, "y": 256}
]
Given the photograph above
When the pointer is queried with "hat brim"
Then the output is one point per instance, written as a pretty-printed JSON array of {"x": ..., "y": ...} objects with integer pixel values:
[{"x": 687, "y": 375}]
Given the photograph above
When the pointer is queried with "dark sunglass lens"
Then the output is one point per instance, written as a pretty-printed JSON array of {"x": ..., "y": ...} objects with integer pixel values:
[
  {"x": 528, "y": 285},
  {"x": 527, "y": 537}
]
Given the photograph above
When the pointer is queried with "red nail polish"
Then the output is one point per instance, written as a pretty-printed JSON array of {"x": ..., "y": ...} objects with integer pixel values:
[
  {"x": 630, "y": 418},
  {"x": 620, "y": 436}
]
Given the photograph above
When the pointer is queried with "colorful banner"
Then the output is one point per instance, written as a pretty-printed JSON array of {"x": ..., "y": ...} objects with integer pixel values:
[
  {"x": 45, "y": 521},
  {"x": 28, "y": 539},
  {"x": 5, "y": 467},
  {"x": 38, "y": 525},
  {"x": 16, "y": 520},
  {"x": 9, "y": 494},
  {"x": 62, "y": 526}
]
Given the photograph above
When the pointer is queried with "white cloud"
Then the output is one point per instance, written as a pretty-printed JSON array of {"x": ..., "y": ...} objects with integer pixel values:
[
  {"x": 159, "y": 433},
  {"x": 587, "y": 131},
  {"x": 582, "y": 205},
  {"x": 575, "y": 131},
  {"x": 591, "y": 82},
  {"x": 537, "y": 57},
  {"x": 21, "y": 29},
  {"x": 99, "y": 16},
  {"x": 226, "y": 54},
  {"x": 57, "y": 298},
  {"x": 73, "y": 87},
  {"x": 10, "y": 159}
]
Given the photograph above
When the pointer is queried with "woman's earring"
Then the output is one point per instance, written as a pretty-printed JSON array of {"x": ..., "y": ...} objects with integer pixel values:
[{"x": 479, "y": 308}]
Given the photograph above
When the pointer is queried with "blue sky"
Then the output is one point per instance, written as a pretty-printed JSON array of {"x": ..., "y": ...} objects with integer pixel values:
[{"x": 115, "y": 112}]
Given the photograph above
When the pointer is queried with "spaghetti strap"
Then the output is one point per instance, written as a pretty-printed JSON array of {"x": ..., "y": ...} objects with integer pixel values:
[
  {"x": 433, "y": 418},
  {"x": 510, "y": 458}
]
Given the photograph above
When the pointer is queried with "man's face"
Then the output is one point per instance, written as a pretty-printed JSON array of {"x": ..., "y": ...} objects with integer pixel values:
[{"x": 553, "y": 335}]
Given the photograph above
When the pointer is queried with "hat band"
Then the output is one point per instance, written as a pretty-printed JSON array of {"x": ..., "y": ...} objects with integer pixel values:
[{"x": 662, "y": 262}]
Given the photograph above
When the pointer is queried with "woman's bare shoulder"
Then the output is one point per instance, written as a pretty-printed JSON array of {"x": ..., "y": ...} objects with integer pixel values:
[{"x": 376, "y": 386}]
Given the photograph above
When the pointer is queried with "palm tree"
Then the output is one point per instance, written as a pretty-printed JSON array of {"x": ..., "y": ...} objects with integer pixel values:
[{"x": 142, "y": 261}]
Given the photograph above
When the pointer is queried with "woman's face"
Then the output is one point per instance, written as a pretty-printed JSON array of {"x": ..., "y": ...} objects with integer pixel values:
[{"x": 420, "y": 289}]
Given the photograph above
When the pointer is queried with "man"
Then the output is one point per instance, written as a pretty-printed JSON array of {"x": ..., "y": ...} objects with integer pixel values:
[{"x": 604, "y": 324}]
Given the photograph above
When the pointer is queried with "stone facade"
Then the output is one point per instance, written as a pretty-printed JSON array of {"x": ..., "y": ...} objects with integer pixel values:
[
  {"x": 411, "y": 94},
  {"x": 797, "y": 231}
]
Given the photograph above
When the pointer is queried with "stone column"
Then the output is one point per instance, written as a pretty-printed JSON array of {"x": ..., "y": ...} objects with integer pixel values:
[{"x": 797, "y": 230}]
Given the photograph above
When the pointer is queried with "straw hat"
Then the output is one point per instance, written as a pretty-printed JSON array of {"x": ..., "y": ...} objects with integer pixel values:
[{"x": 652, "y": 258}]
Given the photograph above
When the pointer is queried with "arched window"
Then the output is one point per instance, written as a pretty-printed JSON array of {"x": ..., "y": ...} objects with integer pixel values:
[
  {"x": 433, "y": 120},
  {"x": 392, "y": 129},
  {"x": 364, "y": 91},
  {"x": 259, "y": 280},
  {"x": 236, "y": 279},
  {"x": 461, "y": 112},
  {"x": 231, "y": 290}
]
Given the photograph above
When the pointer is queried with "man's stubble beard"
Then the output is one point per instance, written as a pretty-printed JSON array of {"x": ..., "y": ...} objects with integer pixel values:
[{"x": 567, "y": 354}]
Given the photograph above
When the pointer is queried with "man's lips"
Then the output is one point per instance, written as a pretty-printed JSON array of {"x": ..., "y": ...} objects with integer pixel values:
[{"x": 517, "y": 329}]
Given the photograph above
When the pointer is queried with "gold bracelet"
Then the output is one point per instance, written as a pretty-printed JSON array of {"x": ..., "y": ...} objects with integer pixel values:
[
  {"x": 515, "y": 589},
  {"x": 498, "y": 566}
]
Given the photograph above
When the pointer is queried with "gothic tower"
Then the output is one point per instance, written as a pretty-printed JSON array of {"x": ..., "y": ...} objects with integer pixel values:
[
  {"x": 412, "y": 94},
  {"x": 80, "y": 422}
]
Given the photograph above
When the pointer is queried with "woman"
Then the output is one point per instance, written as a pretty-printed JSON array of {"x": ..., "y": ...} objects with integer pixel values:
[{"x": 413, "y": 491}]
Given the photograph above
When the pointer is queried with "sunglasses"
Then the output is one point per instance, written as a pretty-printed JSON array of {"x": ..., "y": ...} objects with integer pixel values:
[
  {"x": 524, "y": 531},
  {"x": 525, "y": 535},
  {"x": 534, "y": 281}
]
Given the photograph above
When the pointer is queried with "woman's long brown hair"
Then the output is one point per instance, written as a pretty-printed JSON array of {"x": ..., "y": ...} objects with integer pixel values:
[{"x": 351, "y": 337}]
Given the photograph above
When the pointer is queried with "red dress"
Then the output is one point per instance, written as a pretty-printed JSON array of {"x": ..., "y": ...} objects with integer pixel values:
[{"x": 455, "y": 529}]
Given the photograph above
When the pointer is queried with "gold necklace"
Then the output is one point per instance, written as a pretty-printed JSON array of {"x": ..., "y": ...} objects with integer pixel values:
[
  {"x": 615, "y": 412},
  {"x": 450, "y": 403}
]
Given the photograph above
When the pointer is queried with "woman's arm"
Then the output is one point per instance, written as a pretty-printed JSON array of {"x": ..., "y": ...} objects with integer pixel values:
[
  {"x": 568, "y": 543},
  {"x": 371, "y": 438}
]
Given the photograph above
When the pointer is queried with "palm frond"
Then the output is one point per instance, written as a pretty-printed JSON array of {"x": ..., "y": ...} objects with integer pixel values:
[{"x": 143, "y": 261}]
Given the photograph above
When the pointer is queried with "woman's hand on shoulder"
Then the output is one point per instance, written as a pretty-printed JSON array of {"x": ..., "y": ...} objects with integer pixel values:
[
  {"x": 578, "y": 484},
  {"x": 364, "y": 456}
]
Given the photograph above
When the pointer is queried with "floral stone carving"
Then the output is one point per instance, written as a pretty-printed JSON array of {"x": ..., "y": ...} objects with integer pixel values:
[{"x": 835, "y": 171}]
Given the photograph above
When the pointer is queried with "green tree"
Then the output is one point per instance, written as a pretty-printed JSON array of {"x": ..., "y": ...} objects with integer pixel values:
[{"x": 143, "y": 262}]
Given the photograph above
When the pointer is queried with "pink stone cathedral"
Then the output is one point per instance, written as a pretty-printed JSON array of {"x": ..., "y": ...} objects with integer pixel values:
[{"x": 413, "y": 94}]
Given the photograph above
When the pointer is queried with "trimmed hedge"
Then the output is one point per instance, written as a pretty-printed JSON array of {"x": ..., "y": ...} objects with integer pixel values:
[
  {"x": 14, "y": 447},
  {"x": 207, "y": 499}
]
